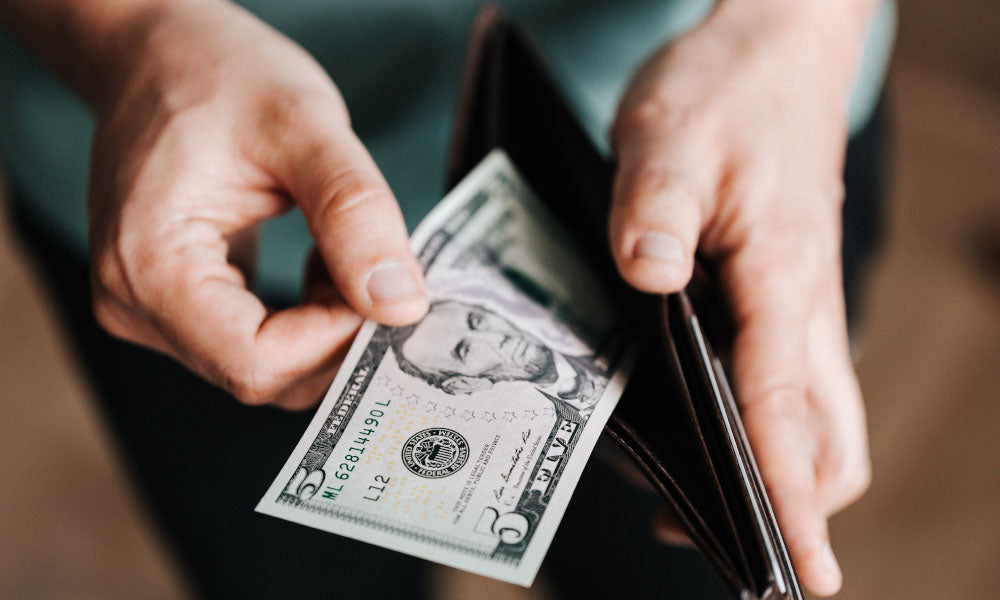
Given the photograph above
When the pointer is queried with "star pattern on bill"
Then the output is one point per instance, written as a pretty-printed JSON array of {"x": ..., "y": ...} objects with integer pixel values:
[{"x": 528, "y": 414}]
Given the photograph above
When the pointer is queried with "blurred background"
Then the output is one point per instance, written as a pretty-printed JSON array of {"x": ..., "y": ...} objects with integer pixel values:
[{"x": 71, "y": 526}]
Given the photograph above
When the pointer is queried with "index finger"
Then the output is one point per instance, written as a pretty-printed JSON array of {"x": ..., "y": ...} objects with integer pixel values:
[
  {"x": 222, "y": 331},
  {"x": 352, "y": 214},
  {"x": 773, "y": 298}
]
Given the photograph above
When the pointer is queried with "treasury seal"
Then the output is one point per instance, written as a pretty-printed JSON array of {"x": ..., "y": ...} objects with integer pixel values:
[{"x": 435, "y": 453}]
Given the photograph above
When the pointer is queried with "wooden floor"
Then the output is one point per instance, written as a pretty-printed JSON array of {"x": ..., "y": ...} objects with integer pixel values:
[{"x": 928, "y": 528}]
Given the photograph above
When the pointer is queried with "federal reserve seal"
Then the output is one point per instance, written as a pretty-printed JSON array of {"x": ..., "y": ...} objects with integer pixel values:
[{"x": 435, "y": 453}]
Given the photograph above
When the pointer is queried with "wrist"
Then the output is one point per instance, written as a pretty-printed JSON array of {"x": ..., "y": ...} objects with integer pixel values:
[
  {"x": 100, "y": 47},
  {"x": 137, "y": 44},
  {"x": 82, "y": 42},
  {"x": 847, "y": 17},
  {"x": 826, "y": 36},
  {"x": 832, "y": 31}
]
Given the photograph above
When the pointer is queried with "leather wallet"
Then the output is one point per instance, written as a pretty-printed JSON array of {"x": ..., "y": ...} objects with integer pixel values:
[{"x": 677, "y": 418}]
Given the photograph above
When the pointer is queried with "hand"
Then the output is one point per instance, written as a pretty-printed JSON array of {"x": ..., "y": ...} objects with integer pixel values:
[
  {"x": 217, "y": 123},
  {"x": 732, "y": 140}
]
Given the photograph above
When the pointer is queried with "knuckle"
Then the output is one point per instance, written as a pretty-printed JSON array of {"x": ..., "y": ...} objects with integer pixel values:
[
  {"x": 108, "y": 275},
  {"x": 844, "y": 474},
  {"x": 295, "y": 111},
  {"x": 247, "y": 391},
  {"x": 347, "y": 190},
  {"x": 109, "y": 317},
  {"x": 648, "y": 113},
  {"x": 656, "y": 112},
  {"x": 649, "y": 181},
  {"x": 778, "y": 403},
  {"x": 119, "y": 264},
  {"x": 255, "y": 385},
  {"x": 785, "y": 260},
  {"x": 853, "y": 480}
]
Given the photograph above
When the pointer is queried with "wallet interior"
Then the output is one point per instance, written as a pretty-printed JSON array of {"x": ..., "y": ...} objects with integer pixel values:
[{"x": 676, "y": 419}]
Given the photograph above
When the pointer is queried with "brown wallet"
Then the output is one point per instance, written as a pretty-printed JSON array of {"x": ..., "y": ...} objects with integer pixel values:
[{"x": 677, "y": 418}]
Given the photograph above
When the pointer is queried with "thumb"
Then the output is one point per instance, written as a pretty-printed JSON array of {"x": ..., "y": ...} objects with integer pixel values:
[
  {"x": 356, "y": 222},
  {"x": 657, "y": 209}
]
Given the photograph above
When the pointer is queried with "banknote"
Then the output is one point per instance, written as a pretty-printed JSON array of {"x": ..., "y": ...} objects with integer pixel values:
[{"x": 460, "y": 439}]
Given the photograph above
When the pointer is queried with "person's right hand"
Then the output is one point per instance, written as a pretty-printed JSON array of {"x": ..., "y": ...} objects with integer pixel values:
[{"x": 214, "y": 123}]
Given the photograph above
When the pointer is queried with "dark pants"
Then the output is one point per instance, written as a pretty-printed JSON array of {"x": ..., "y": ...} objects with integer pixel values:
[{"x": 202, "y": 461}]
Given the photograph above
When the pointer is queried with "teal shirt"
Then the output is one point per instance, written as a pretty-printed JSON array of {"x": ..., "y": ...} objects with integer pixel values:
[{"x": 397, "y": 63}]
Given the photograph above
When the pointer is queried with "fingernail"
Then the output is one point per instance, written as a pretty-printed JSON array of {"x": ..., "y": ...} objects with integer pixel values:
[
  {"x": 392, "y": 282},
  {"x": 659, "y": 247},
  {"x": 830, "y": 570}
]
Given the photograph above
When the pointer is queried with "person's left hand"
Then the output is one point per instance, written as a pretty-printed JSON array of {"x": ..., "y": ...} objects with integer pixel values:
[{"x": 731, "y": 140}]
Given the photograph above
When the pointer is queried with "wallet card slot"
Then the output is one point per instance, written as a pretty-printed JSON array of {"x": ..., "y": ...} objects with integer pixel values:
[
  {"x": 701, "y": 409},
  {"x": 652, "y": 426},
  {"x": 683, "y": 509}
]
